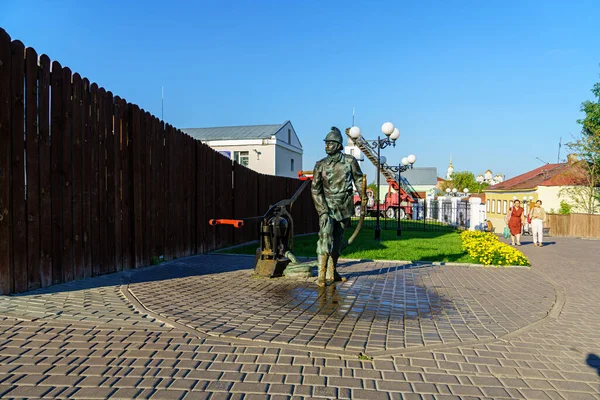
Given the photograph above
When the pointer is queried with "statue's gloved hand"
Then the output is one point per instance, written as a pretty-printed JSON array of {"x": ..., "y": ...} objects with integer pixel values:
[{"x": 323, "y": 220}]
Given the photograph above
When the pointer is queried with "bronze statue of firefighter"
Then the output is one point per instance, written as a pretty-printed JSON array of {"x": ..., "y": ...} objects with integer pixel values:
[{"x": 332, "y": 191}]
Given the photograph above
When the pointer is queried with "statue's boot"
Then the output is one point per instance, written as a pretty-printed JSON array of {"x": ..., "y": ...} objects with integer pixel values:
[
  {"x": 332, "y": 274},
  {"x": 322, "y": 266}
]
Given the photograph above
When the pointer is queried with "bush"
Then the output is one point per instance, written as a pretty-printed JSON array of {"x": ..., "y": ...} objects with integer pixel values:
[
  {"x": 486, "y": 249},
  {"x": 565, "y": 208}
]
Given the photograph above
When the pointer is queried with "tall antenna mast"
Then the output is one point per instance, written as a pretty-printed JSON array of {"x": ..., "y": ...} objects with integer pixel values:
[
  {"x": 559, "y": 146},
  {"x": 353, "y": 115},
  {"x": 162, "y": 104}
]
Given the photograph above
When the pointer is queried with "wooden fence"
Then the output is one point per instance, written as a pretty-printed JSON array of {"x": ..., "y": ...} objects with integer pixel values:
[
  {"x": 91, "y": 184},
  {"x": 577, "y": 225}
]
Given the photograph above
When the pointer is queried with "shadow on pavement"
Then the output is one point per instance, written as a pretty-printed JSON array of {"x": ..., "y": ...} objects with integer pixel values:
[
  {"x": 178, "y": 268},
  {"x": 593, "y": 361}
]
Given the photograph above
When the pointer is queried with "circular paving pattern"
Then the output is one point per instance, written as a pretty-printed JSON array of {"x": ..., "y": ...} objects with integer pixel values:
[{"x": 382, "y": 306}]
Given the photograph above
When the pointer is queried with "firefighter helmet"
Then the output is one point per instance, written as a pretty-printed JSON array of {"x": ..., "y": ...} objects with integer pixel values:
[{"x": 334, "y": 135}]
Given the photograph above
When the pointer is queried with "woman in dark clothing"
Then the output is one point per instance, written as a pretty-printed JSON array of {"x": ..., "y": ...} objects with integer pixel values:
[{"x": 515, "y": 218}]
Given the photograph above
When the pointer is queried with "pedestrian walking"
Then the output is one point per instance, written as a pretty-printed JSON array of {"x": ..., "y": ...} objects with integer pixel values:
[
  {"x": 514, "y": 219},
  {"x": 538, "y": 219}
]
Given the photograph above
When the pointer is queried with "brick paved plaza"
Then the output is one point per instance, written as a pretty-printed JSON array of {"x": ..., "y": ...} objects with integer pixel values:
[{"x": 203, "y": 327}]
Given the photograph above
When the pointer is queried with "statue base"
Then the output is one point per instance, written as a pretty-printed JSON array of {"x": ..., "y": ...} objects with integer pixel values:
[{"x": 270, "y": 268}]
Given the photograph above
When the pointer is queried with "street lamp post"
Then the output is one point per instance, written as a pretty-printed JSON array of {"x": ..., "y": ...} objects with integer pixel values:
[
  {"x": 391, "y": 135},
  {"x": 527, "y": 202},
  {"x": 405, "y": 164}
]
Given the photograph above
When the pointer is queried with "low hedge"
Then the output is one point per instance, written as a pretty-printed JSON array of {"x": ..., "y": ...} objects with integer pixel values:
[{"x": 486, "y": 249}]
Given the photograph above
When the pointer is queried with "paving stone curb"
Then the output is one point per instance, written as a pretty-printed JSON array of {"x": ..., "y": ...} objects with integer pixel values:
[{"x": 552, "y": 313}]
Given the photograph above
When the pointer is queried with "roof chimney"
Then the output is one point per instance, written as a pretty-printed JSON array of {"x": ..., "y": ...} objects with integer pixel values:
[{"x": 572, "y": 158}]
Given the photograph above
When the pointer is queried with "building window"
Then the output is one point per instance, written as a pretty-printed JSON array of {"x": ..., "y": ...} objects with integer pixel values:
[
  {"x": 488, "y": 206},
  {"x": 510, "y": 204},
  {"x": 241, "y": 157},
  {"x": 499, "y": 206},
  {"x": 289, "y": 136},
  {"x": 493, "y": 206},
  {"x": 292, "y": 164},
  {"x": 504, "y": 205}
]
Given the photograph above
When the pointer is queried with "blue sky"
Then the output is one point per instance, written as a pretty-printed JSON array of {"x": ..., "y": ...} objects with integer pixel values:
[{"x": 493, "y": 83}]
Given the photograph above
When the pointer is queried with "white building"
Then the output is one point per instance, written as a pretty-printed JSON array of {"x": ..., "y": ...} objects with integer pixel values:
[
  {"x": 268, "y": 149},
  {"x": 353, "y": 150},
  {"x": 490, "y": 178}
]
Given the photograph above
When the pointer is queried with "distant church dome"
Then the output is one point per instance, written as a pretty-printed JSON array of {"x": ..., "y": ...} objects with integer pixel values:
[{"x": 450, "y": 170}]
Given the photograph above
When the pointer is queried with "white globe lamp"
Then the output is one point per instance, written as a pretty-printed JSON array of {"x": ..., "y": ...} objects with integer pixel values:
[
  {"x": 387, "y": 128},
  {"x": 355, "y": 132}
]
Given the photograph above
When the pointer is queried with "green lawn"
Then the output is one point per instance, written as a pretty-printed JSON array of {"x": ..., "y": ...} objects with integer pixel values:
[{"x": 412, "y": 246}]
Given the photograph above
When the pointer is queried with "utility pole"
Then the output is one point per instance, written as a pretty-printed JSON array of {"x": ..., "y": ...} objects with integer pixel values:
[{"x": 559, "y": 146}]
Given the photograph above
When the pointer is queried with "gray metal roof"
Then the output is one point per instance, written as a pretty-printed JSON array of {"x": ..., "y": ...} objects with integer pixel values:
[
  {"x": 234, "y": 132},
  {"x": 419, "y": 176}
]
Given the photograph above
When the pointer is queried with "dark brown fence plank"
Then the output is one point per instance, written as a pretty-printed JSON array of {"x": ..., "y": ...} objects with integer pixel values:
[
  {"x": 144, "y": 162},
  {"x": 56, "y": 129},
  {"x": 160, "y": 188},
  {"x": 194, "y": 207},
  {"x": 181, "y": 186},
  {"x": 102, "y": 193},
  {"x": 137, "y": 186},
  {"x": 45, "y": 174},
  {"x": 178, "y": 189},
  {"x": 86, "y": 171},
  {"x": 33, "y": 177},
  {"x": 77, "y": 178},
  {"x": 94, "y": 180},
  {"x": 150, "y": 191},
  {"x": 127, "y": 190},
  {"x": 188, "y": 192},
  {"x": 6, "y": 273},
  {"x": 155, "y": 188},
  {"x": 168, "y": 196},
  {"x": 19, "y": 207},
  {"x": 191, "y": 196},
  {"x": 201, "y": 219},
  {"x": 185, "y": 174},
  {"x": 67, "y": 175},
  {"x": 175, "y": 186},
  {"x": 215, "y": 210},
  {"x": 112, "y": 122},
  {"x": 118, "y": 135}
]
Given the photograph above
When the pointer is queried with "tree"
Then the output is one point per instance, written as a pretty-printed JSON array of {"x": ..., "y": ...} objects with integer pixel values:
[
  {"x": 590, "y": 125},
  {"x": 586, "y": 196},
  {"x": 565, "y": 208},
  {"x": 464, "y": 179}
]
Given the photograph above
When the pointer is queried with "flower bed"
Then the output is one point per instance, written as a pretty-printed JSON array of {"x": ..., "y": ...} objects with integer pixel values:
[{"x": 486, "y": 249}]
